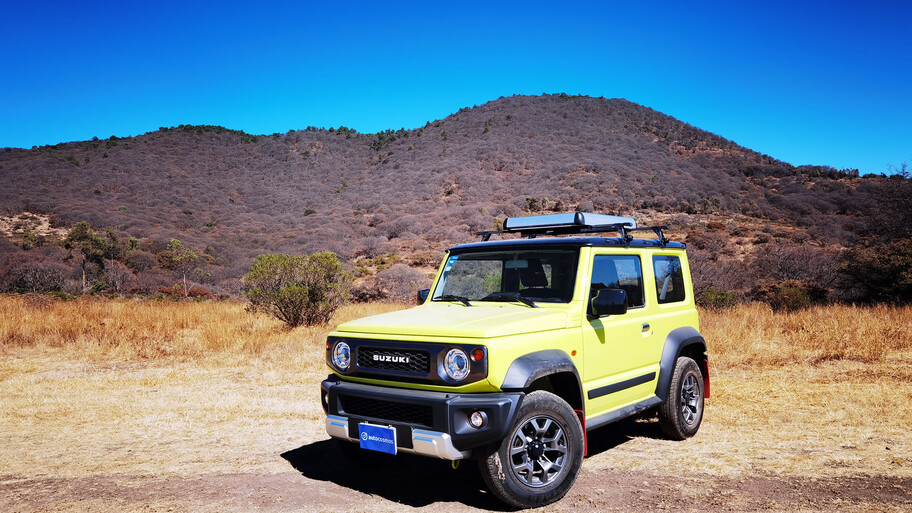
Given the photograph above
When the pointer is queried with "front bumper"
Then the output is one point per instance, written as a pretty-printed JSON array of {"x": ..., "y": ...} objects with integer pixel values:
[
  {"x": 433, "y": 424},
  {"x": 425, "y": 443}
]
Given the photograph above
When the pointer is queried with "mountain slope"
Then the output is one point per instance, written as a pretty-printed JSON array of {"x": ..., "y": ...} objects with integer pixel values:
[{"x": 408, "y": 191}]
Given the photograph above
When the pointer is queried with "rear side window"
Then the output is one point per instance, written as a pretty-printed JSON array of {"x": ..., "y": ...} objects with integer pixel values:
[
  {"x": 669, "y": 278},
  {"x": 619, "y": 272}
]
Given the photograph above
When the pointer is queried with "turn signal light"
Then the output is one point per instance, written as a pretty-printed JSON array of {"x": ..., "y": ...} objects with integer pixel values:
[{"x": 478, "y": 354}]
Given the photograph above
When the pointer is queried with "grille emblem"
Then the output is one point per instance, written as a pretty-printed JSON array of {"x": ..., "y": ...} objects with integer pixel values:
[{"x": 390, "y": 358}]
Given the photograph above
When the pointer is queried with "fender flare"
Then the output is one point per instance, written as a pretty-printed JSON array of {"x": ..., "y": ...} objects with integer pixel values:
[
  {"x": 678, "y": 340},
  {"x": 528, "y": 368}
]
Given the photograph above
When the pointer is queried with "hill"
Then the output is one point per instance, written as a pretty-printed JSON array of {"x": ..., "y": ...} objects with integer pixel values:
[{"x": 405, "y": 195}]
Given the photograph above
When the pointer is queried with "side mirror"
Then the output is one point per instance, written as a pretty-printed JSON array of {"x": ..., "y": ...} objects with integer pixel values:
[
  {"x": 423, "y": 295},
  {"x": 608, "y": 302}
]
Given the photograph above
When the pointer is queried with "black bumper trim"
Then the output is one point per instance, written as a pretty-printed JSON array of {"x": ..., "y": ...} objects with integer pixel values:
[{"x": 450, "y": 412}]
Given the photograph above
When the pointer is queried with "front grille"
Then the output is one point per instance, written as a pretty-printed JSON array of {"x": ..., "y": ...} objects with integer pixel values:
[
  {"x": 388, "y": 410},
  {"x": 397, "y": 360}
]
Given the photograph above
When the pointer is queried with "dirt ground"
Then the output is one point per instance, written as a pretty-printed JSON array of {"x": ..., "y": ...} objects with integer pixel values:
[
  {"x": 319, "y": 479},
  {"x": 39, "y": 224},
  {"x": 248, "y": 435}
]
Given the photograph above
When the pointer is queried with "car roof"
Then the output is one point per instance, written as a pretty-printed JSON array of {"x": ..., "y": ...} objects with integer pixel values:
[{"x": 568, "y": 242}]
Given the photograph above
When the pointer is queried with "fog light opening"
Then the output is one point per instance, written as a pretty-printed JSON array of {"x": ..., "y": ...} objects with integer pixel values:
[{"x": 478, "y": 419}]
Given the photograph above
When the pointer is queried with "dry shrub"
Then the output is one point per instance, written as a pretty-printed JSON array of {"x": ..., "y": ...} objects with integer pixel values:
[
  {"x": 710, "y": 272},
  {"x": 400, "y": 283},
  {"x": 367, "y": 291},
  {"x": 199, "y": 293},
  {"x": 426, "y": 258},
  {"x": 715, "y": 225},
  {"x": 397, "y": 284},
  {"x": 716, "y": 298},
  {"x": 790, "y": 295},
  {"x": 785, "y": 261},
  {"x": 711, "y": 241}
]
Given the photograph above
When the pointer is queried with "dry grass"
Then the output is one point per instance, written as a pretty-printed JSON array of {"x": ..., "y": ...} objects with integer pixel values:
[
  {"x": 94, "y": 388},
  {"x": 754, "y": 336},
  {"x": 158, "y": 389},
  {"x": 821, "y": 392},
  {"x": 128, "y": 330}
]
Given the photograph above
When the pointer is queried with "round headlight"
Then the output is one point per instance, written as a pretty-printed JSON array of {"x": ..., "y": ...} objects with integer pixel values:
[
  {"x": 341, "y": 356},
  {"x": 456, "y": 364}
]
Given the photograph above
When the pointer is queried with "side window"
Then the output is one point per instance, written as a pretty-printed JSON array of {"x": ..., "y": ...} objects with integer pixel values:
[
  {"x": 619, "y": 272},
  {"x": 669, "y": 278}
]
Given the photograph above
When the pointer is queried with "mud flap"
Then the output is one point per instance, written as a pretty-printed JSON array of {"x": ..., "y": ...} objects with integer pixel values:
[{"x": 582, "y": 419}]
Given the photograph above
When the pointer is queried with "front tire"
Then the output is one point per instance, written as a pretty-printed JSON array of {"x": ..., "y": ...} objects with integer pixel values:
[
  {"x": 537, "y": 463},
  {"x": 682, "y": 412}
]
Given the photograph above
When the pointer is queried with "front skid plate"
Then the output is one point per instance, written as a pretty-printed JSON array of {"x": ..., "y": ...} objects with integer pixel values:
[{"x": 425, "y": 443}]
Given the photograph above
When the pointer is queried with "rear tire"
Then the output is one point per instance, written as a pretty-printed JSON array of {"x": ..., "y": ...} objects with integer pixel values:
[
  {"x": 538, "y": 461},
  {"x": 682, "y": 412}
]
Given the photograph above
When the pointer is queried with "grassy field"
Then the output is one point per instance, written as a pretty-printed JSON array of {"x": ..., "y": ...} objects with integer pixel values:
[{"x": 127, "y": 389}]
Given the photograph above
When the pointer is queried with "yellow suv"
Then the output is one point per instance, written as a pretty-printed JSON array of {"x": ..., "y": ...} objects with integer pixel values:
[{"x": 520, "y": 348}]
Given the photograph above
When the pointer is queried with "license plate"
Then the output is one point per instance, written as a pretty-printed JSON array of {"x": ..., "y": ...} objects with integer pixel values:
[{"x": 377, "y": 438}]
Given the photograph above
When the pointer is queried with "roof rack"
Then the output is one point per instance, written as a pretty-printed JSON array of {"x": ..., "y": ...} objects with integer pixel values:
[{"x": 574, "y": 224}]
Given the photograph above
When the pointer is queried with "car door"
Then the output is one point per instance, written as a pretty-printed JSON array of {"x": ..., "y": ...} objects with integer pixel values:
[{"x": 620, "y": 365}]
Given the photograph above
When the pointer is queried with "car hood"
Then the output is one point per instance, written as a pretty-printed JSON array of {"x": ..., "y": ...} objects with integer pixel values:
[{"x": 480, "y": 320}]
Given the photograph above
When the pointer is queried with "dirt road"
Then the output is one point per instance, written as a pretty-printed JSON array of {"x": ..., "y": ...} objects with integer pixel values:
[{"x": 319, "y": 478}]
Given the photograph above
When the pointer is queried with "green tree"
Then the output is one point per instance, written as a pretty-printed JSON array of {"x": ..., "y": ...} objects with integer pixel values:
[
  {"x": 82, "y": 238},
  {"x": 297, "y": 290},
  {"x": 92, "y": 247},
  {"x": 114, "y": 249},
  {"x": 181, "y": 259},
  {"x": 30, "y": 241}
]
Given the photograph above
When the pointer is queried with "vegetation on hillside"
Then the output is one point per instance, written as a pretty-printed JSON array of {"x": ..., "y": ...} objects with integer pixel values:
[{"x": 401, "y": 197}]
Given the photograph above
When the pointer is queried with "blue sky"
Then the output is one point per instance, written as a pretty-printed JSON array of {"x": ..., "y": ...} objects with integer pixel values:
[{"x": 807, "y": 82}]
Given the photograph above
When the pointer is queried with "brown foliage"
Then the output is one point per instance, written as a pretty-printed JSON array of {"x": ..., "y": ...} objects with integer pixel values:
[
  {"x": 798, "y": 262},
  {"x": 400, "y": 283},
  {"x": 790, "y": 295},
  {"x": 426, "y": 258},
  {"x": 199, "y": 293},
  {"x": 370, "y": 194}
]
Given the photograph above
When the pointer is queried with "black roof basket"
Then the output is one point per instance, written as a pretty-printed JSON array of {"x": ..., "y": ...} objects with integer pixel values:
[{"x": 573, "y": 224}]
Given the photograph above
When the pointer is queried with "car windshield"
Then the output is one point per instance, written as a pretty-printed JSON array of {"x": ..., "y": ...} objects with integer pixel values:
[{"x": 540, "y": 275}]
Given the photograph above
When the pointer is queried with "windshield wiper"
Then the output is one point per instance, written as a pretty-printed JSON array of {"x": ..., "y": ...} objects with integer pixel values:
[
  {"x": 450, "y": 297},
  {"x": 510, "y": 298}
]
